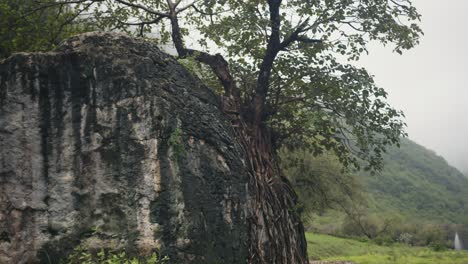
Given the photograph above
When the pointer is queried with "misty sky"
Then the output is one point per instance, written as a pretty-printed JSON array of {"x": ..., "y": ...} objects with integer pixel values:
[{"x": 430, "y": 82}]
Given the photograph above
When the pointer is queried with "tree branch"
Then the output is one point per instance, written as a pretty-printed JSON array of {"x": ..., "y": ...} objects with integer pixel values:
[
  {"x": 154, "y": 21},
  {"x": 69, "y": 20},
  {"x": 151, "y": 11},
  {"x": 294, "y": 36},
  {"x": 217, "y": 63},
  {"x": 186, "y": 7},
  {"x": 44, "y": 5},
  {"x": 220, "y": 68},
  {"x": 257, "y": 105}
]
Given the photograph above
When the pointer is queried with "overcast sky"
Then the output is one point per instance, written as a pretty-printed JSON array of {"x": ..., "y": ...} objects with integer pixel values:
[{"x": 430, "y": 82}]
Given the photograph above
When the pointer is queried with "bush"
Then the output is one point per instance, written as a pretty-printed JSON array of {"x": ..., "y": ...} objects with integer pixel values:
[
  {"x": 384, "y": 240},
  {"x": 82, "y": 255},
  {"x": 405, "y": 238},
  {"x": 439, "y": 246}
]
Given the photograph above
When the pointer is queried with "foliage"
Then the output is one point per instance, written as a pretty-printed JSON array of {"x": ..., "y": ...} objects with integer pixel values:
[
  {"x": 288, "y": 60},
  {"x": 175, "y": 141},
  {"x": 319, "y": 181},
  {"x": 372, "y": 226},
  {"x": 81, "y": 255},
  {"x": 321, "y": 184},
  {"x": 24, "y": 26},
  {"x": 411, "y": 231},
  {"x": 327, "y": 247}
]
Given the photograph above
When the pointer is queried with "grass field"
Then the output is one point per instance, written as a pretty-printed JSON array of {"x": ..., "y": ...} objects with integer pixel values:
[{"x": 324, "y": 247}]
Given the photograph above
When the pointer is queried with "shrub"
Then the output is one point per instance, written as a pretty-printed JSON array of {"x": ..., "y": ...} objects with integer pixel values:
[{"x": 82, "y": 255}]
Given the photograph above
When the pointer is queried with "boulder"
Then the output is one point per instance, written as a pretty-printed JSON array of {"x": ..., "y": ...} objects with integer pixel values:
[{"x": 107, "y": 142}]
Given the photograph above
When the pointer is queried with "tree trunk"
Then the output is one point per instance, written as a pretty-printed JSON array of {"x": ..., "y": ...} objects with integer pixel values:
[{"x": 276, "y": 231}]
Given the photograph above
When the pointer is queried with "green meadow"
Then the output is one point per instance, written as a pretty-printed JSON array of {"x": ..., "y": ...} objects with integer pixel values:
[{"x": 325, "y": 247}]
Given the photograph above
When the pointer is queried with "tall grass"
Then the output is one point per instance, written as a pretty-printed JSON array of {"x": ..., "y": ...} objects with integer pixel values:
[{"x": 324, "y": 247}]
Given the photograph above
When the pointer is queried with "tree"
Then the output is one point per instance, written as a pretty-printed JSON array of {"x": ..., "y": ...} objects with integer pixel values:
[
  {"x": 27, "y": 26},
  {"x": 282, "y": 65},
  {"x": 320, "y": 181}
]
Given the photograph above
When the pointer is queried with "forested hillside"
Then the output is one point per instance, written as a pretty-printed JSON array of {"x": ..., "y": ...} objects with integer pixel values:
[
  {"x": 418, "y": 198},
  {"x": 418, "y": 182}
]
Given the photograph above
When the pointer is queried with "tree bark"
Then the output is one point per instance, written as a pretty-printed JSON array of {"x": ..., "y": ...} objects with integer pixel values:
[{"x": 276, "y": 231}]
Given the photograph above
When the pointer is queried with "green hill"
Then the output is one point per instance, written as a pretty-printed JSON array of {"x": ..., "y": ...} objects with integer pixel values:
[
  {"x": 417, "y": 197},
  {"x": 417, "y": 182}
]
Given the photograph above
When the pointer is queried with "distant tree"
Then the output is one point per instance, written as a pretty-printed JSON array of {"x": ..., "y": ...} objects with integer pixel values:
[
  {"x": 286, "y": 82},
  {"x": 320, "y": 182},
  {"x": 32, "y": 26},
  {"x": 321, "y": 185}
]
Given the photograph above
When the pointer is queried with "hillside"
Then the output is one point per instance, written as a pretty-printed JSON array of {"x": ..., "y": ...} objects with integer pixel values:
[
  {"x": 416, "y": 194},
  {"x": 417, "y": 182}
]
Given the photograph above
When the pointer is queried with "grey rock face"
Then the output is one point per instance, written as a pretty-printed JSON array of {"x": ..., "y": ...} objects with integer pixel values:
[{"x": 108, "y": 142}]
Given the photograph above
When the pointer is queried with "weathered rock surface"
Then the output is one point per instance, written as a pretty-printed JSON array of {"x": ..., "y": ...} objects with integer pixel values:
[{"x": 108, "y": 142}]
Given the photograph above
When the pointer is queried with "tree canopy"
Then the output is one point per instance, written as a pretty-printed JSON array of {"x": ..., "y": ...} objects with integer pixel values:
[
  {"x": 289, "y": 63},
  {"x": 36, "y": 26}
]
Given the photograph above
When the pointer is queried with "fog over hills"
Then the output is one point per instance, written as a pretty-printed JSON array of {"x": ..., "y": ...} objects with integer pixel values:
[
  {"x": 430, "y": 82},
  {"x": 416, "y": 181}
]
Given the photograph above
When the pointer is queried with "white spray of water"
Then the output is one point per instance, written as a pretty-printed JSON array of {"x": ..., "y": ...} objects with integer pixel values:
[{"x": 457, "y": 242}]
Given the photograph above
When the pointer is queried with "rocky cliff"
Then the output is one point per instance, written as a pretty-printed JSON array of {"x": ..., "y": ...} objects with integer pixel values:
[{"x": 108, "y": 142}]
